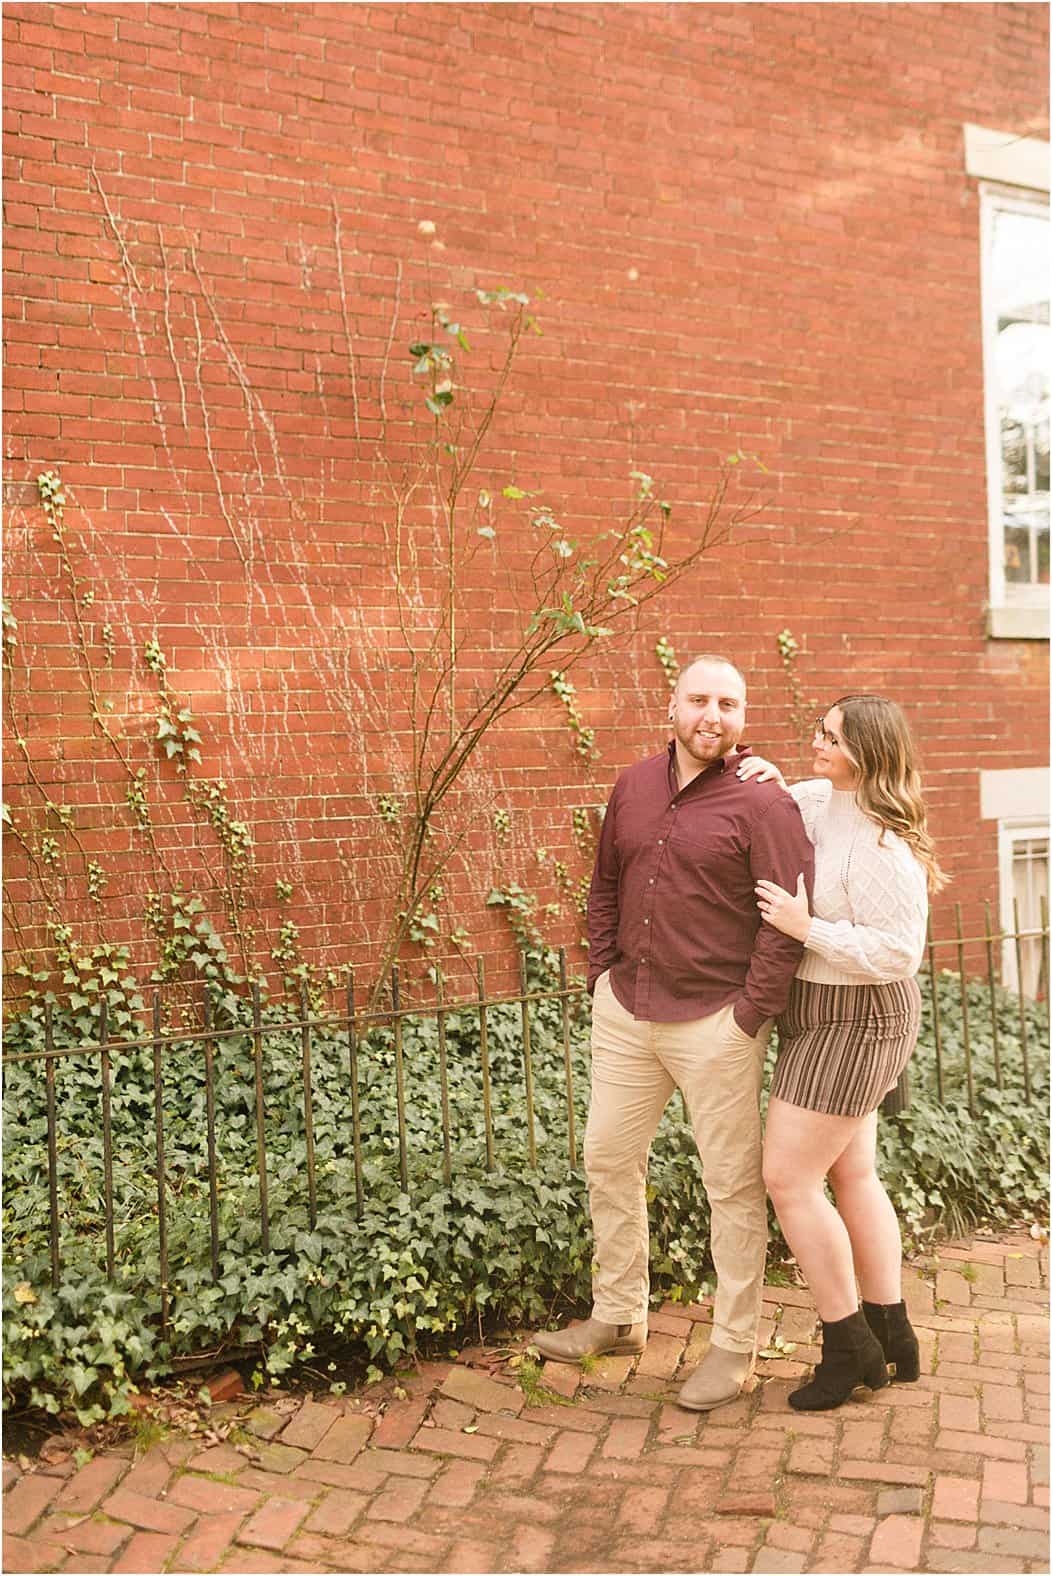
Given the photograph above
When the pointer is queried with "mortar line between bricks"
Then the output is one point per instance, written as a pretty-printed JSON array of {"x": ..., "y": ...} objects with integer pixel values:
[{"x": 189, "y": 1534}]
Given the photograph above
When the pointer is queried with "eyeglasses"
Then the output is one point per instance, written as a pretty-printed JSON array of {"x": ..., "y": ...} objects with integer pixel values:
[{"x": 823, "y": 733}]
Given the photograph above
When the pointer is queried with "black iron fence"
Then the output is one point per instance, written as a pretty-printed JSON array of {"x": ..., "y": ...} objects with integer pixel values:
[
  {"x": 1014, "y": 945},
  {"x": 353, "y": 1027},
  {"x": 978, "y": 1004}
]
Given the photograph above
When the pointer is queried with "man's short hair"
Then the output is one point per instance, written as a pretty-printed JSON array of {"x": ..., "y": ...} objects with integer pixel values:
[{"x": 718, "y": 660}]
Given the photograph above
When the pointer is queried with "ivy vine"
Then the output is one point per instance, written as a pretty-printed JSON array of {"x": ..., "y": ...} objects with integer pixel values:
[
  {"x": 584, "y": 737},
  {"x": 667, "y": 657}
]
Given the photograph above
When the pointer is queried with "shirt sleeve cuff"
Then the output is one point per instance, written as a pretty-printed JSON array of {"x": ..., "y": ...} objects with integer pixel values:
[{"x": 748, "y": 1018}]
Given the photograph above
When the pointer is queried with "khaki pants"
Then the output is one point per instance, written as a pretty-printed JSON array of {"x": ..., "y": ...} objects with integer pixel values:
[{"x": 635, "y": 1067}]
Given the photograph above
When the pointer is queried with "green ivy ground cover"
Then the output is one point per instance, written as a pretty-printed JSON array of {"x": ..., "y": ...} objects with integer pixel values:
[{"x": 512, "y": 1243}]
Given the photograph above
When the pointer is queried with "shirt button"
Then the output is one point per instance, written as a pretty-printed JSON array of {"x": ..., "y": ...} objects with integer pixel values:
[
  {"x": 646, "y": 922},
  {"x": 642, "y": 960},
  {"x": 652, "y": 881},
  {"x": 660, "y": 841}
]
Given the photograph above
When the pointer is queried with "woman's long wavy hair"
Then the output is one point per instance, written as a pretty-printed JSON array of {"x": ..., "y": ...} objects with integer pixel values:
[{"x": 879, "y": 743}]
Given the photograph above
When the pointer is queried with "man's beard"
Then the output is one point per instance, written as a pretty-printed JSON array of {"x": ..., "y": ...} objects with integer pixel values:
[{"x": 709, "y": 747}]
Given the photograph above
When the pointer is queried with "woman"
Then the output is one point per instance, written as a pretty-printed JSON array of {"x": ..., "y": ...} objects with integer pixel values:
[{"x": 847, "y": 1034}]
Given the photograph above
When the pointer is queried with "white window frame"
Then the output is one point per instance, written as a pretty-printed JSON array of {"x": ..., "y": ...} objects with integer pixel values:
[
  {"x": 1009, "y": 833},
  {"x": 1013, "y": 172},
  {"x": 1023, "y": 598}
]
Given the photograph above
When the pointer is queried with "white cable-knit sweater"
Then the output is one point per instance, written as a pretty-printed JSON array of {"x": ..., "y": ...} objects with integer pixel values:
[{"x": 870, "y": 898}]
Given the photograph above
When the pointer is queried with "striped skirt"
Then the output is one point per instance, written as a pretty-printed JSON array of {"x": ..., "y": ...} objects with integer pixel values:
[{"x": 841, "y": 1048}]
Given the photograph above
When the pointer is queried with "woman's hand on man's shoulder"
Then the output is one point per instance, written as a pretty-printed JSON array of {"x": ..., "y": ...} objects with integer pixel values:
[{"x": 755, "y": 769}]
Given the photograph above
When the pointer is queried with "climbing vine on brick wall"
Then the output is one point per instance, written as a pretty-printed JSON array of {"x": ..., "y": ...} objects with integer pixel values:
[{"x": 577, "y": 585}]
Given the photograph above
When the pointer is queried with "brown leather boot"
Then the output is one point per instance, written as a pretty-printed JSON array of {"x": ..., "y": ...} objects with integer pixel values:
[
  {"x": 717, "y": 1380},
  {"x": 593, "y": 1338}
]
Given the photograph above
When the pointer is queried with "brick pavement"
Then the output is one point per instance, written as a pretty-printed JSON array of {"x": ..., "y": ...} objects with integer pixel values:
[{"x": 605, "y": 1473}]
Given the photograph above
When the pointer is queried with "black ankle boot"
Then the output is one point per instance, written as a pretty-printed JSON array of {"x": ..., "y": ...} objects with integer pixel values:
[
  {"x": 851, "y": 1356},
  {"x": 892, "y": 1328}
]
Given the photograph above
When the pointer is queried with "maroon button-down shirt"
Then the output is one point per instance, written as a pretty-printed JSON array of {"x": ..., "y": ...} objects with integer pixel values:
[{"x": 672, "y": 912}]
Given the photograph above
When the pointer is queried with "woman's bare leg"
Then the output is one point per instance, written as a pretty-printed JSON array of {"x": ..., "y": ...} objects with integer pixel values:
[
  {"x": 869, "y": 1216},
  {"x": 800, "y": 1149}
]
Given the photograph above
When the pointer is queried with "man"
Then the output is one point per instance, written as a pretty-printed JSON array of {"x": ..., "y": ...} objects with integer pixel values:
[{"x": 685, "y": 982}]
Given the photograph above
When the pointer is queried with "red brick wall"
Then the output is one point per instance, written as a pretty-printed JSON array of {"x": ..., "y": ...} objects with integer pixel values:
[{"x": 742, "y": 227}]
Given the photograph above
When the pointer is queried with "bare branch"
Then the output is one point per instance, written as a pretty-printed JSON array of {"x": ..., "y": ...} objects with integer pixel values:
[
  {"x": 126, "y": 262},
  {"x": 168, "y": 327},
  {"x": 346, "y": 320},
  {"x": 209, "y": 451},
  {"x": 387, "y": 348}
]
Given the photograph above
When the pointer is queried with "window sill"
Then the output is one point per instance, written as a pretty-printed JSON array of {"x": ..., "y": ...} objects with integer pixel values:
[{"x": 1017, "y": 623}]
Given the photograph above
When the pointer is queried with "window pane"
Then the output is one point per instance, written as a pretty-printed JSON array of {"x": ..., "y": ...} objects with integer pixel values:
[
  {"x": 1026, "y": 545},
  {"x": 1029, "y": 884},
  {"x": 1022, "y": 377},
  {"x": 1017, "y": 555},
  {"x": 1021, "y": 263},
  {"x": 1013, "y": 455},
  {"x": 1041, "y": 455},
  {"x": 1017, "y": 282}
]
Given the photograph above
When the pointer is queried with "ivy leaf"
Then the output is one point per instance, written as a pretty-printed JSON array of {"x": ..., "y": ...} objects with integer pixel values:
[{"x": 82, "y": 1378}]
